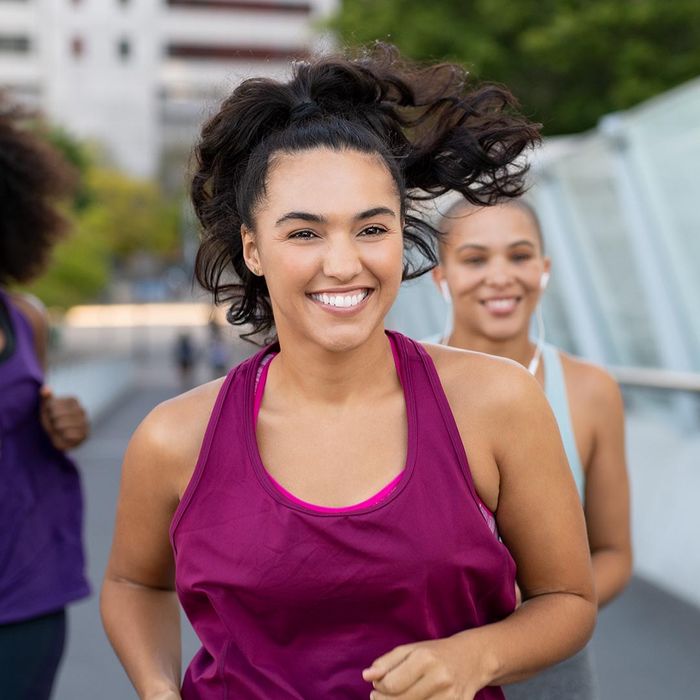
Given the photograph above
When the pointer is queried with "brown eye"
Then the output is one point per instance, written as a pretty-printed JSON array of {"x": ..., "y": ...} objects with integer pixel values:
[
  {"x": 304, "y": 235},
  {"x": 373, "y": 231}
]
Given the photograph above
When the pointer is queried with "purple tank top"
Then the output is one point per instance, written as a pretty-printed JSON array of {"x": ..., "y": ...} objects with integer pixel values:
[
  {"x": 41, "y": 553},
  {"x": 292, "y": 603}
]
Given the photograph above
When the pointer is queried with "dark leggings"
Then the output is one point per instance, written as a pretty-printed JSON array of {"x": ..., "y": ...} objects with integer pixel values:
[{"x": 30, "y": 652}]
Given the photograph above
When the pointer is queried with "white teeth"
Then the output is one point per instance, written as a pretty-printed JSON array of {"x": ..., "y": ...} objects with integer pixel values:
[
  {"x": 501, "y": 304},
  {"x": 343, "y": 301}
]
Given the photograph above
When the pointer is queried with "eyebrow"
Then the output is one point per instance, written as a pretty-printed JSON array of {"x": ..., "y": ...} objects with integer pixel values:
[
  {"x": 476, "y": 246},
  {"x": 318, "y": 219}
]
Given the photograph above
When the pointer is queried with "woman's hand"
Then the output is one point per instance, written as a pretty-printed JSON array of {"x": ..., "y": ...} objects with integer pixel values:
[
  {"x": 63, "y": 419},
  {"x": 441, "y": 669}
]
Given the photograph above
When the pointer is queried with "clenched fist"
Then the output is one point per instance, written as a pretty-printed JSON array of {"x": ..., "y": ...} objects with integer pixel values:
[{"x": 63, "y": 419}]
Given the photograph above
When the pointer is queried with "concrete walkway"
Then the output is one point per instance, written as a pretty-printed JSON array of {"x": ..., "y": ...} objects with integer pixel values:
[{"x": 647, "y": 641}]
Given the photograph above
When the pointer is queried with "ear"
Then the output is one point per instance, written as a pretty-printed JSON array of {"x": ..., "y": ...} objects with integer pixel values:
[
  {"x": 547, "y": 272},
  {"x": 441, "y": 282},
  {"x": 438, "y": 275},
  {"x": 251, "y": 255}
]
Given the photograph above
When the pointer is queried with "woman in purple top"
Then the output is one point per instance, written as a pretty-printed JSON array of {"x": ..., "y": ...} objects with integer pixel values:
[
  {"x": 315, "y": 512},
  {"x": 41, "y": 556}
]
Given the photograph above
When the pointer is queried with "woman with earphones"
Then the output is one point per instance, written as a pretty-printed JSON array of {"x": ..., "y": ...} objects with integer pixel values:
[{"x": 493, "y": 272}]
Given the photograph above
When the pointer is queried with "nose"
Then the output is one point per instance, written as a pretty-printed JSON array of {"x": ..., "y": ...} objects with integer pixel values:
[
  {"x": 341, "y": 259},
  {"x": 498, "y": 274}
]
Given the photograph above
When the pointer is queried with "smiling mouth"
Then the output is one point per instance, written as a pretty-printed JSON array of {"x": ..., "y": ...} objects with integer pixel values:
[
  {"x": 501, "y": 306},
  {"x": 345, "y": 300}
]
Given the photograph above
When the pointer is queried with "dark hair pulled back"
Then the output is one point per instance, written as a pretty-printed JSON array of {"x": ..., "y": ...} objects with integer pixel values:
[{"x": 433, "y": 130}]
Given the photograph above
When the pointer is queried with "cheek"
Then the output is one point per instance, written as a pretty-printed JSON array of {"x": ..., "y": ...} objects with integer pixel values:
[
  {"x": 531, "y": 276},
  {"x": 464, "y": 279},
  {"x": 385, "y": 260}
]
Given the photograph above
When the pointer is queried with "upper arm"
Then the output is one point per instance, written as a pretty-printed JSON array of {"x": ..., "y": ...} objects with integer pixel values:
[
  {"x": 519, "y": 467},
  {"x": 158, "y": 465},
  {"x": 35, "y": 312},
  {"x": 539, "y": 512},
  {"x": 607, "y": 486},
  {"x": 141, "y": 550}
]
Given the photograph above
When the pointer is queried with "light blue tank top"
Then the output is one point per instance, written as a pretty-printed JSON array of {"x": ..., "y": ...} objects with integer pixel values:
[{"x": 555, "y": 389}]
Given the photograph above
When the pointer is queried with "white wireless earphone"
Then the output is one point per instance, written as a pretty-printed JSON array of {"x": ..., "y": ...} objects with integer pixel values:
[
  {"x": 445, "y": 290},
  {"x": 544, "y": 280}
]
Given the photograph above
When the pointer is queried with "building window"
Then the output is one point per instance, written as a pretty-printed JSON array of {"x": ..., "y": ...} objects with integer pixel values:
[
  {"x": 266, "y": 6},
  {"x": 124, "y": 49},
  {"x": 231, "y": 52},
  {"x": 13, "y": 43},
  {"x": 77, "y": 47}
]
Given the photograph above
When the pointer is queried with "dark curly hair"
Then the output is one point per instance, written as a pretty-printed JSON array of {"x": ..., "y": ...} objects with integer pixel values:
[
  {"x": 33, "y": 176},
  {"x": 434, "y": 131}
]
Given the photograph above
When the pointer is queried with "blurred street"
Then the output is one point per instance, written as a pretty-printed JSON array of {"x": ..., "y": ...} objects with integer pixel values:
[{"x": 646, "y": 643}]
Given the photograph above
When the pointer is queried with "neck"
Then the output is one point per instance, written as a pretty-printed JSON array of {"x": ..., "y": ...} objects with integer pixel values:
[
  {"x": 520, "y": 348},
  {"x": 310, "y": 373}
]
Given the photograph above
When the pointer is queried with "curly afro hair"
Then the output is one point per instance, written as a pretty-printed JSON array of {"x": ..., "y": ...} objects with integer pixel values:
[{"x": 33, "y": 178}]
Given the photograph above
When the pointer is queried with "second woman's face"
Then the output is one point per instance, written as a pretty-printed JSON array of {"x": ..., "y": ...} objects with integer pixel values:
[
  {"x": 493, "y": 264},
  {"x": 329, "y": 241}
]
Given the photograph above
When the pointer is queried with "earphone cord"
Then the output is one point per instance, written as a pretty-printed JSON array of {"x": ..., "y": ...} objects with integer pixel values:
[{"x": 535, "y": 361}]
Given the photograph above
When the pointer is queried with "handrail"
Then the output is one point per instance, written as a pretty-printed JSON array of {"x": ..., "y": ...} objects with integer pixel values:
[{"x": 652, "y": 378}]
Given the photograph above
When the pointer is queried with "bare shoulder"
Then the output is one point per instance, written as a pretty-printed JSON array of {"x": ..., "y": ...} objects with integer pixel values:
[
  {"x": 465, "y": 372},
  {"x": 591, "y": 383},
  {"x": 480, "y": 387},
  {"x": 33, "y": 309},
  {"x": 168, "y": 440}
]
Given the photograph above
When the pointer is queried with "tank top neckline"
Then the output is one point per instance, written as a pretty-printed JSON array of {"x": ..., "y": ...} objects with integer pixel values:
[{"x": 396, "y": 486}]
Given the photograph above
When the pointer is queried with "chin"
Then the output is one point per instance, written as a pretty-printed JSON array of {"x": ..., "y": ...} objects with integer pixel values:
[{"x": 342, "y": 339}]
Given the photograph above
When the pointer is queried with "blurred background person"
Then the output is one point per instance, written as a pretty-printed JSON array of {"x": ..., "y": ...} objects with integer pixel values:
[
  {"x": 218, "y": 351},
  {"x": 41, "y": 554},
  {"x": 493, "y": 271},
  {"x": 185, "y": 356}
]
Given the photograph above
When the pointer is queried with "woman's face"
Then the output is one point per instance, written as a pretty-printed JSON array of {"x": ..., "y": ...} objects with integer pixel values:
[
  {"x": 493, "y": 264},
  {"x": 328, "y": 238}
]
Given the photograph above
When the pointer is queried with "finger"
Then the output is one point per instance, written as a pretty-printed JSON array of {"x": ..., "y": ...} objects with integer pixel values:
[
  {"x": 385, "y": 663},
  {"x": 45, "y": 392},
  {"x": 71, "y": 437},
  {"x": 66, "y": 417},
  {"x": 64, "y": 405},
  {"x": 425, "y": 688},
  {"x": 406, "y": 674},
  {"x": 69, "y": 422}
]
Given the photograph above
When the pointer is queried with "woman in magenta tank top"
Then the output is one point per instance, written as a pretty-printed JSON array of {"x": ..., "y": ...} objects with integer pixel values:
[{"x": 328, "y": 515}]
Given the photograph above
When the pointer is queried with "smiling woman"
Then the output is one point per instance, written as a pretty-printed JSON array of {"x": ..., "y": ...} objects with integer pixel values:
[
  {"x": 493, "y": 266},
  {"x": 315, "y": 510}
]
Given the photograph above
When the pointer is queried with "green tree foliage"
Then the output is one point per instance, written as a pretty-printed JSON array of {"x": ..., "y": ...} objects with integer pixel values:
[
  {"x": 568, "y": 61},
  {"x": 113, "y": 218}
]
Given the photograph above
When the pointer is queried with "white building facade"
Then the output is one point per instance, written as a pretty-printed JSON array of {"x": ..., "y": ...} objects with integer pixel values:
[{"x": 139, "y": 76}]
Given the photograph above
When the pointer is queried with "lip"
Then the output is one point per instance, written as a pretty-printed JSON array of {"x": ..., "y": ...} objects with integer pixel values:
[
  {"x": 341, "y": 310},
  {"x": 501, "y": 306}
]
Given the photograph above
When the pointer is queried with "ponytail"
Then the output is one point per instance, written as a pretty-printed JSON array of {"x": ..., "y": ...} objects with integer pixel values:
[{"x": 434, "y": 131}]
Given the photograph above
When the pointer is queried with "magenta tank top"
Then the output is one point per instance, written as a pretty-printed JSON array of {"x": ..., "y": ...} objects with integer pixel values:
[{"x": 292, "y": 602}]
